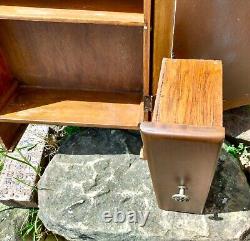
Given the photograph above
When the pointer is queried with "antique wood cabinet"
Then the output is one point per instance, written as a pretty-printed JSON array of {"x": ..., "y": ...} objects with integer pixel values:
[{"x": 97, "y": 63}]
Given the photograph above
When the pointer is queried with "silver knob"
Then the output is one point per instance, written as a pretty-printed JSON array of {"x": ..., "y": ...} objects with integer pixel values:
[{"x": 181, "y": 196}]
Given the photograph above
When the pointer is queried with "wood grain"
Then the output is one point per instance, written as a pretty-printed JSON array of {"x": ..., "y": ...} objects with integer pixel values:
[
  {"x": 190, "y": 93},
  {"x": 74, "y": 56},
  {"x": 163, "y": 31},
  {"x": 67, "y": 107},
  {"x": 99, "y": 12},
  {"x": 5, "y": 75}
]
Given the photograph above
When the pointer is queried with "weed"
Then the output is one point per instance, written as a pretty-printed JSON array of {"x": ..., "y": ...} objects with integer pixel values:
[
  {"x": 70, "y": 130},
  {"x": 20, "y": 158},
  {"x": 241, "y": 152},
  {"x": 1, "y": 165},
  {"x": 32, "y": 227}
]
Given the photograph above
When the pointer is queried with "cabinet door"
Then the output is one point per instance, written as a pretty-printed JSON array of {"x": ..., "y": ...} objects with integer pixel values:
[{"x": 217, "y": 29}]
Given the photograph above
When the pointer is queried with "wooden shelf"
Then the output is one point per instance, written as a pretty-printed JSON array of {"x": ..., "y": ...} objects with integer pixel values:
[
  {"x": 128, "y": 13},
  {"x": 73, "y": 107}
]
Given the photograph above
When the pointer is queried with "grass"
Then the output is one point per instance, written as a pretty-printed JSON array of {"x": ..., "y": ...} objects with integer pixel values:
[
  {"x": 32, "y": 228},
  {"x": 1, "y": 165},
  {"x": 20, "y": 157}
]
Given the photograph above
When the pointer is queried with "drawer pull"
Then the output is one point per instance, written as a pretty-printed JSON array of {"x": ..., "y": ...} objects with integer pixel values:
[{"x": 181, "y": 196}]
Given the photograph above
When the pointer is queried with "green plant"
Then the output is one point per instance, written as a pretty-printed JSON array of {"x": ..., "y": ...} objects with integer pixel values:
[
  {"x": 234, "y": 151},
  {"x": 70, "y": 130},
  {"x": 32, "y": 227},
  {"x": 19, "y": 157},
  {"x": 241, "y": 152},
  {"x": 1, "y": 165}
]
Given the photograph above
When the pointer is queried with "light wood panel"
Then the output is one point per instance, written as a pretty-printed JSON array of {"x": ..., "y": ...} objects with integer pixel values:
[
  {"x": 80, "y": 108},
  {"x": 163, "y": 31},
  {"x": 190, "y": 93},
  {"x": 74, "y": 56},
  {"x": 99, "y": 12}
]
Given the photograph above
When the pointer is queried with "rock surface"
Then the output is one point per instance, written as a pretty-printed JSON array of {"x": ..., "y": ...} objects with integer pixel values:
[
  {"x": 230, "y": 190},
  {"x": 105, "y": 174},
  {"x": 18, "y": 179},
  {"x": 237, "y": 123},
  {"x": 11, "y": 220}
]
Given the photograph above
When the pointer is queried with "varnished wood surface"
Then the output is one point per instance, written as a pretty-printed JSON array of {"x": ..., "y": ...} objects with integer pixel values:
[
  {"x": 99, "y": 12},
  {"x": 147, "y": 51},
  {"x": 182, "y": 155},
  {"x": 74, "y": 56},
  {"x": 190, "y": 93},
  {"x": 217, "y": 29},
  {"x": 81, "y": 108},
  {"x": 163, "y": 31},
  {"x": 5, "y": 75},
  {"x": 10, "y": 134}
]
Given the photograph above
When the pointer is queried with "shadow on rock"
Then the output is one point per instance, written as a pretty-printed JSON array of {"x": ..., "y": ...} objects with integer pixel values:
[
  {"x": 91, "y": 141},
  {"x": 230, "y": 191}
]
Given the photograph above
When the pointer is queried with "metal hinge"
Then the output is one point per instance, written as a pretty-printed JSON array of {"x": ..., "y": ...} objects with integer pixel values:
[{"x": 149, "y": 102}]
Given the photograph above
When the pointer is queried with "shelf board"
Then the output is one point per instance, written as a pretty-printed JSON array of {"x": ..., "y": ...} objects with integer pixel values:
[
  {"x": 73, "y": 107},
  {"x": 71, "y": 15}
]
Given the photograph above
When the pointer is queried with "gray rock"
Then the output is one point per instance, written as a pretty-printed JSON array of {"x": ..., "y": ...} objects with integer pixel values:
[
  {"x": 91, "y": 141},
  {"x": 11, "y": 220},
  {"x": 76, "y": 191},
  {"x": 230, "y": 190},
  {"x": 18, "y": 179},
  {"x": 237, "y": 123}
]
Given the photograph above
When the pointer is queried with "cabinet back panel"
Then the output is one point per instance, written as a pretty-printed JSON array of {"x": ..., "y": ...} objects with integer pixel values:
[{"x": 74, "y": 56}]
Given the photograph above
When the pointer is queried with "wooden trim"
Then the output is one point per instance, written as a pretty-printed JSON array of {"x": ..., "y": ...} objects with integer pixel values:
[
  {"x": 146, "y": 57},
  {"x": 163, "y": 29},
  {"x": 71, "y": 16},
  {"x": 146, "y": 51},
  {"x": 184, "y": 132}
]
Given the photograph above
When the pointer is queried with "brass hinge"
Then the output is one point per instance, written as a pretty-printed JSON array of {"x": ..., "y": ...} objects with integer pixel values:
[{"x": 149, "y": 102}]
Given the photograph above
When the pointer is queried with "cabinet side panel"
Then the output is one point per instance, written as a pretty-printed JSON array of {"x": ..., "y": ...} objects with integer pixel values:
[
  {"x": 163, "y": 26},
  {"x": 9, "y": 133}
]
